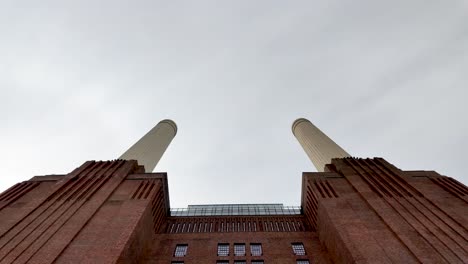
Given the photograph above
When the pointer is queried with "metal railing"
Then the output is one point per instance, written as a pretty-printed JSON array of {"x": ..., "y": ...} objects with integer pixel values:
[{"x": 236, "y": 210}]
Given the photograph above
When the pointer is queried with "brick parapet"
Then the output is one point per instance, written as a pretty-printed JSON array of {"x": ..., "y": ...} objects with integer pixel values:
[{"x": 235, "y": 224}]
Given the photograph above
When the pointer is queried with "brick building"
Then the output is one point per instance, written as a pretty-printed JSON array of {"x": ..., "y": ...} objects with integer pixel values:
[{"x": 352, "y": 211}]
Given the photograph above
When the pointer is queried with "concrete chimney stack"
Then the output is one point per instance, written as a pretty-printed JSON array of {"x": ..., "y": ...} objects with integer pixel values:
[
  {"x": 150, "y": 148},
  {"x": 318, "y": 146}
]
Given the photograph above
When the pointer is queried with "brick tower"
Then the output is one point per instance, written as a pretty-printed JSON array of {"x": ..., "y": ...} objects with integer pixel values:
[{"x": 353, "y": 211}]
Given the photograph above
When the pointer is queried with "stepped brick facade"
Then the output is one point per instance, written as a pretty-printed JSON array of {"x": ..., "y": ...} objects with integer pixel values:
[{"x": 356, "y": 211}]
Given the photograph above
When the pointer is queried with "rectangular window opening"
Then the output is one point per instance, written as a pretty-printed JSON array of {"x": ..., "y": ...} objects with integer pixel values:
[
  {"x": 180, "y": 250},
  {"x": 239, "y": 249},
  {"x": 298, "y": 249},
  {"x": 256, "y": 249},
  {"x": 223, "y": 249}
]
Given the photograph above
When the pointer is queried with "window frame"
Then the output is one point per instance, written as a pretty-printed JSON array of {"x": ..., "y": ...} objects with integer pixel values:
[
  {"x": 298, "y": 251},
  {"x": 219, "y": 249},
  {"x": 183, "y": 248},
  {"x": 244, "y": 249},
  {"x": 252, "y": 245}
]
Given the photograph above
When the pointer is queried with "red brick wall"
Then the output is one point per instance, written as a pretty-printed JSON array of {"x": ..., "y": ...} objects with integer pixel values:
[
  {"x": 360, "y": 210},
  {"x": 381, "y": 214},
  {"x": 202, "y": 247},
  {"x": 83, "y": 215},
  {"x": 219, "y": 224}
]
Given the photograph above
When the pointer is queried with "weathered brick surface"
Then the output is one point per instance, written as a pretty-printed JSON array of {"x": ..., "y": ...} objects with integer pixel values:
[
  {"x": 384, "y": 215},
  {"x": 202, "y": 247},
  {"x": 358, "y": 211}
]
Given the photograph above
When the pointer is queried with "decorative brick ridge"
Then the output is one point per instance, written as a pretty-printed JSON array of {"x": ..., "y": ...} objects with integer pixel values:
[{"x": 231, "y": 224}]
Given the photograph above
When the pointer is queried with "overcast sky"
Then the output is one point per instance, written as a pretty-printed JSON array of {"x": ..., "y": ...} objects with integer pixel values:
[{"x": 83, "y": 80}]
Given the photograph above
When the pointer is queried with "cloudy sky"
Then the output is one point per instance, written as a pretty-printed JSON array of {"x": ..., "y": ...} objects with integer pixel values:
[{"x": 83, "y": 80}]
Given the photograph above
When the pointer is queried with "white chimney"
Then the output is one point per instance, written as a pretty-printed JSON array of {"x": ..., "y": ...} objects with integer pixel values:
[
  {"x": 150, "y": 148},
  {"x": 318, "y": 146}
]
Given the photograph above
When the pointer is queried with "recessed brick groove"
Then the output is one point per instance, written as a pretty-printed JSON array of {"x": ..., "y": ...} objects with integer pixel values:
[
  {"x": 16, "y": 192},
  {"x": 235, "y": 224}
]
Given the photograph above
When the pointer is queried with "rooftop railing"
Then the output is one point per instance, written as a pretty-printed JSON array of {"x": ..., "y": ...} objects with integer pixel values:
[{"x": 236, "y": 210}]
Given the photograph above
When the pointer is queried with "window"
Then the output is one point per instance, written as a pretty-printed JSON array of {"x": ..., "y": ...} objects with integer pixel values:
[
  {"x": 256, "y": 249},
  {"x": 177, "y": 262},
  {"x": 239, "y": 249},
  {"x": 180, "y": 250},
  {"x": 222, "y": 262},
  {"x": 240, "y": 262},
  {"x": 302, "y": 261},
  {"x": 223, "y": 250},
  {"x": 257, "y": 261},
  {"x": 298, "y": 249}
]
